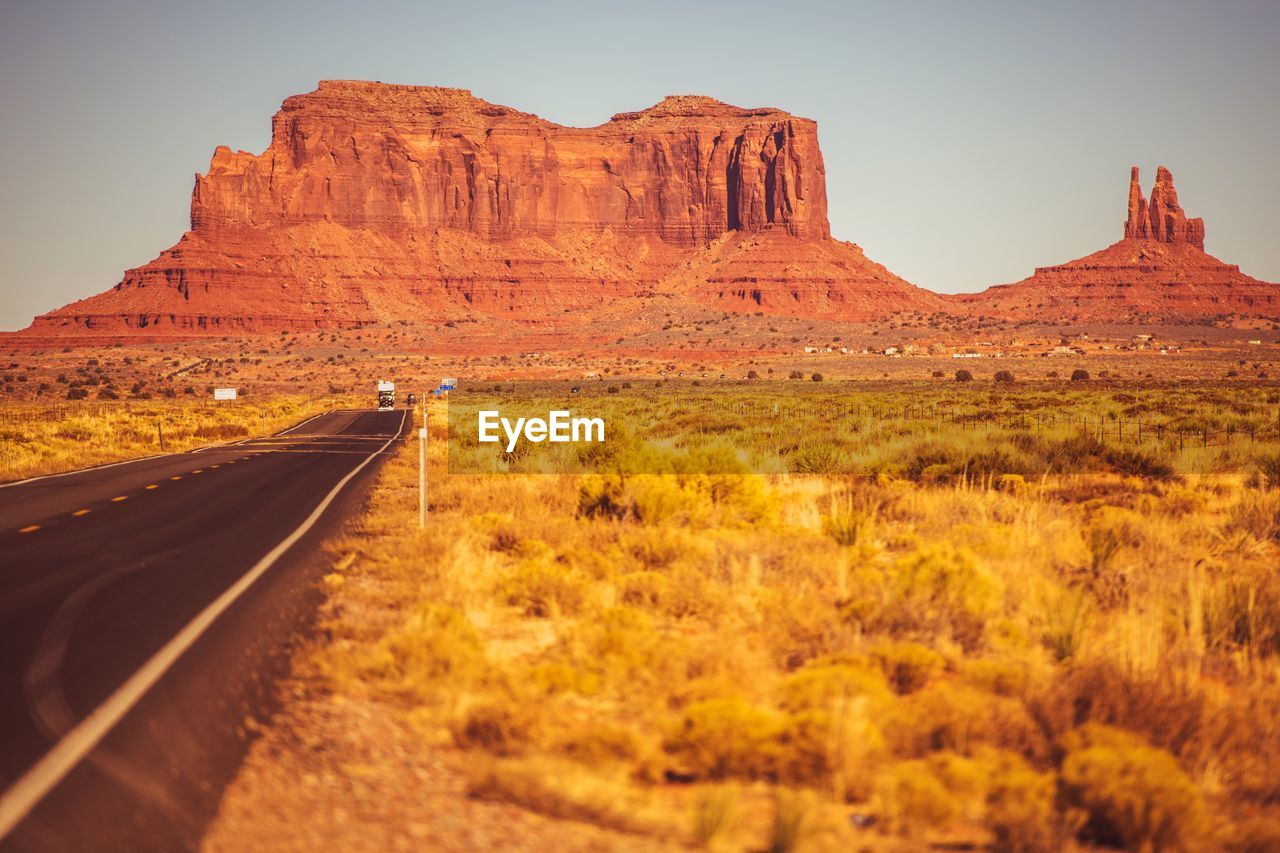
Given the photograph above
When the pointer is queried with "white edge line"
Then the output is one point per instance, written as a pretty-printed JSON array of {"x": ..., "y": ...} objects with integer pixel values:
[
  {"x": 145, "y": 458},
  {"x": 304, "y": 423},
  {"x": 32, "y": 786}
]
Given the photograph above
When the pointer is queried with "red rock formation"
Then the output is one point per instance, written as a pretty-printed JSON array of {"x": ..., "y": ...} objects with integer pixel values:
[
  {"x": 1163, "y": 220},
  {"x": 406, "y": 157},
  {"x": 376, "y": 202},
  {"x": 766, "y": 271},
  {"x": 1158, "y": 271}
]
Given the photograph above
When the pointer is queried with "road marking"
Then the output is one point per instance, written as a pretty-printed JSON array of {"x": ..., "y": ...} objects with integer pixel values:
[
  {"x": 198, "y": 471},
  {"x": 179, "y": 477},
  {"x": 17, "y": 802},
  {"x": 152, "y": 486},
  {"x": 30, "y": 528},
  {"x": 80, "y": 512},
  {"x": 304, "y": 423},
  {"x": 211, "y": 467},
  {"x": 120, "y": 498},
  {"x": 319, "y": 452}
]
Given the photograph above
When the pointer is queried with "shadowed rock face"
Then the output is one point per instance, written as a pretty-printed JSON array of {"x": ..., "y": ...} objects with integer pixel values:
[
  {"x": 377, "y": 203},
  {"x": 1158, "y": 271}
]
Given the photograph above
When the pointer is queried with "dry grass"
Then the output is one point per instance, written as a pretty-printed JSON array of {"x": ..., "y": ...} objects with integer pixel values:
[
  {"x": 37, "y": 439},
  {"x": 1025, "y": 665}
]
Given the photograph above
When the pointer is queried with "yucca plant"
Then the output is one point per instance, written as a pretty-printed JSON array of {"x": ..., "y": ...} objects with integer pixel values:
[{"x": 1068, "y": 614}]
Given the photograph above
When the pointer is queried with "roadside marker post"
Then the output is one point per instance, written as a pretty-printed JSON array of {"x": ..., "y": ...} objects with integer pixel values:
[{"x": 422, "y": 471}]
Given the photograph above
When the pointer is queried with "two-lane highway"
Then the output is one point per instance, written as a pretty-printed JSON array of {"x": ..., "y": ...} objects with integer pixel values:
[{"x": 143, "y": 606}]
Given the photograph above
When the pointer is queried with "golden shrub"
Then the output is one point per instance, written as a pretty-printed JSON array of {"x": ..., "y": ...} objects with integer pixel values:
[
  {"x": 1135, "y": 796},
  {"x": 729, "y": 737},
  {"x": 541, "y": 587},
  {"x": 911, "y": 798},
  {"x": 908, "y": 666},
  {"x": 938, "y": 590},
  {"x": 958, "y": 717},
  {"x": 434, "y": 643},
  {"x": 821, "y": 684},
  {"x": 499, "y": 725}
]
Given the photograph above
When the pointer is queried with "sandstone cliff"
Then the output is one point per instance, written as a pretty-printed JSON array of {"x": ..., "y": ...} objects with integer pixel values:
[
  {"x": 1157, "y": 271},
  {"x": 413, "y": 158},
  {"x": 376, "y": 202}
]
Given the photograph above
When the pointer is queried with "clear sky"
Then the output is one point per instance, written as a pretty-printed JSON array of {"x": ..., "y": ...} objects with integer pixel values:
[{"x": 965, "y": 142}]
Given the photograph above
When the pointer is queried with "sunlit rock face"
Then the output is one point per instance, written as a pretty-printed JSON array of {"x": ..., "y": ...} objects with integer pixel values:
[
  {"x": 1159, "y": 270},
  {"x": 376, "y": 203}
]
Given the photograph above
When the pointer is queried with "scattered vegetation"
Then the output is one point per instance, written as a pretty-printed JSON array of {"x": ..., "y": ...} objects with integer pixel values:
[
  {"x": 980, "y": 636},
  {"x": 40, "y": 439}
]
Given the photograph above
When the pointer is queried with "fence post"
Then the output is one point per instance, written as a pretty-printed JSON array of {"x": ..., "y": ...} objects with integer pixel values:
[{"x": 160, "y": 433}]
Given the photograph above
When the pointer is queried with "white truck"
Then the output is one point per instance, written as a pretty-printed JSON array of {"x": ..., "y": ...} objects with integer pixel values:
[{"x": 386, "y": 396}]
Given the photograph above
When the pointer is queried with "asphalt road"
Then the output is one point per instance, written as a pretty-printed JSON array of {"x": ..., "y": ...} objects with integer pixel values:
[{"x": 144, "y": 610}]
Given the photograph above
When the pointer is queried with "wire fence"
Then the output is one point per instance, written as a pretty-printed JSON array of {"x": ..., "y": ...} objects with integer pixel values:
[
  {"x": 26, "y": 414},
  {"x": 1104, "y": 428}
]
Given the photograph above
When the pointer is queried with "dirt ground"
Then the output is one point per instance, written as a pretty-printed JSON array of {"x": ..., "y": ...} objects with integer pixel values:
[{"x": 333, "y": 773}]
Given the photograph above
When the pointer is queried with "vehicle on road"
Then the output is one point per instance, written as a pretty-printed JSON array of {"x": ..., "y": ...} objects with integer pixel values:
[
  {"x": 386, "y": 396},
  {"x": 410, "y": 400}
]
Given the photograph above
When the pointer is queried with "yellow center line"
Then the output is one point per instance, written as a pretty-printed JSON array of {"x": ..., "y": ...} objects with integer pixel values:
[
  {"x": 175, "y": 478},
  {"x": 30, "y": 529},
  {"x": 121, "y": 498},
  {"x": 152, "y": 486},
  {"x": 80, "y": 512},
  {"x": 198, "y": 471},
  {"x": 211, "y": 467}
]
